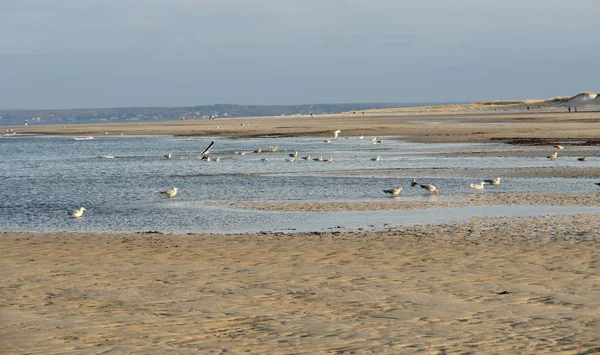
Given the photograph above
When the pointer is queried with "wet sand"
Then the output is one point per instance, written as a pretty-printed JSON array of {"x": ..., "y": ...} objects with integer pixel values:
[{"x": 490, "y": 285}]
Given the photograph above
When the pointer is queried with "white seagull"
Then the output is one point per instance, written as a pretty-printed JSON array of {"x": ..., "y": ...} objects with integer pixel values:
[
  {"x": 559, "y": 147},
  {"x": 168, "y": 156},
  {"x": 376, "y": 158},
  {"x": 431, "y": 188},
  {"x": 169, "y": 193},
  {"x": 553, "y": 156},
  {"x": 336, "y": 133},
  {"x": 294, "y": 154},
  {"x": 78, "y": 213},
  {"x": 393, "y": 191},
  {"x": 477, "y": 186}
]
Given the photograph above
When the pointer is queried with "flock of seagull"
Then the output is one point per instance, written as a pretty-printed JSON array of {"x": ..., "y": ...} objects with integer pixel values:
[{"x": 394, "y": 192}]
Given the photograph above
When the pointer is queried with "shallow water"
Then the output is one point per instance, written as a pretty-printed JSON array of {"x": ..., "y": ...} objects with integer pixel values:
[{"x": 42, "y": 177}]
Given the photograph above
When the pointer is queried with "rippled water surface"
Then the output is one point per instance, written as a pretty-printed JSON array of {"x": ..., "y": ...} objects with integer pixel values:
[{"x": 42, "y": 177}]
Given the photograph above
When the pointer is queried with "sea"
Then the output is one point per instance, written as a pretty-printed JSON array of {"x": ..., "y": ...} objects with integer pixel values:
[{"x": 118, "y": 180}]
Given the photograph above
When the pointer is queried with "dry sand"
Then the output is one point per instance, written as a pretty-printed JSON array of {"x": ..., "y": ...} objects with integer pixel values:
[
  {"x": 503, "y": 285},
  {"x": 527, "y": 285}
]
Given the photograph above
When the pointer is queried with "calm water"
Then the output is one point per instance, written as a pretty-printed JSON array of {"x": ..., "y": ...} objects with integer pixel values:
[{"x": 42, "y": 177}]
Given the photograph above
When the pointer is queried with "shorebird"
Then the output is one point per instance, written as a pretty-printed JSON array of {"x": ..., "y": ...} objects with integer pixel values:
[
  {"x": 207, "y": 150},
  {"x": 170, "y": 193},
  {"x": 477, "y": 186},
  {"x": 273, "y": 148},
  {"x": 330, "y": 159},
  {"x": 306, "y": 157},
  {"x": 319, "y": 158},
  {"x": 259, "y": 150},
  {"x": 584, "y": 158},
  {"x": 431, "y": 188},
  {"x": 376, "y": 158},
  {"x": 495, "y": 181},
  {"x": 361, "y": 137},
  {"x": 393, "y": 191},
  {"x": 327, "y": 141},
  {"x": 291, "y": 160},
  {"x": 553, "y": 156},
  {"x": 336, "y": 133},
  {"x": 414, "y": 183},
  {"x": 294, "y": 154},
  {"x": 78, "y": 213},
  {"x": 168, "y": 156},
  {"x": 374, "y": 140},
  {"x": 559, "y": 147}
]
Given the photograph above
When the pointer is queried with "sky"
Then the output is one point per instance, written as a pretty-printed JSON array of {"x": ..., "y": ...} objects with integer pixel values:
[{"x": 123, "y": 53}]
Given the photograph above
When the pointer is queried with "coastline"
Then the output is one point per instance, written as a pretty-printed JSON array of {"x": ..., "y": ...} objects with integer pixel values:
[
  {"x": 487, "y": 285},
  {"x": 521, "y": 127}
]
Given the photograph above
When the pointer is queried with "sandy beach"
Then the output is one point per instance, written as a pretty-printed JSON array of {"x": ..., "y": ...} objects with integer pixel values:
[
  {"x": 489, "y": 285},
  {"x": 536, "y": 127}
]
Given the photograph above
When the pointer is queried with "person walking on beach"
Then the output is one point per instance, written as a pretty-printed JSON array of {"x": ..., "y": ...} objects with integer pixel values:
[{"x": 569, "y": 109}]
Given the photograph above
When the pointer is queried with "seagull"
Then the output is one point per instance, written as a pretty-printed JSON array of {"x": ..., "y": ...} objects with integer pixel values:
[
  {"x": 329, "y": 159},
  {"x": 327, "y": 141},
  {"x": 336, "y": 133},
  {"x": 376, "y": 158},
  {"x": 273, "y": 148},
  {"x": 553, "y": 156},
  {"x": 414, "y": 183},
  {"x": 264, "y": 159},
  {"x": 170, "y": 193},
  {"x": 168, "y": 156},
  {"x": 78, "y": 213},
  {"x": 477, "y": 186},
  {"x": 206, "y": 151},
  {"x": 495, "y": 181},
  {"x": 583, "y": 159},
  {"x": 291, "y": 160},
  {"x": 259, "y": 150},
  {"x": 374, "y": 140},
  {"x": 559, "y": 147},
  {"x": 320, "y": 158},
  {"x": 432, "y": 189},
  {"x": 294, "y": 154},
  {"x": 306, "y": 157},
  {"x": 393, "y": 191},
  {"x": 361, "y": 137}
]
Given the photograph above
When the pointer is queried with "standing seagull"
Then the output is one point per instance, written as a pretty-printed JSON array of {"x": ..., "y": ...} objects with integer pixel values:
[
  {"x": 376, "y": 158},
  {"x": 414, "y": 183},
  {"x": 336, "y": 133},
  {"x": 431, "y": 188},
  {"x": 170, "y": 193},
  {"x": 553, "y": 156},
  {"x": 395, "y": 191},
  {"x": 168, "y": 156},
  {"x": 78, "y": 213},
  {"x": 495, "y": 181},
  {"x": 583, "y": 159},
  {"x": 559, "y": 147}
]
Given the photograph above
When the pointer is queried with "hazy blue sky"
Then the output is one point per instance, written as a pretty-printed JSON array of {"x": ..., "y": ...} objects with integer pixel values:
[{"x": 109, "y": 53}]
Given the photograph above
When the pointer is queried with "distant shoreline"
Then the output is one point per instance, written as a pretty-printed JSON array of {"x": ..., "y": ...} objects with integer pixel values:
[{"x": 468, "y": 126}]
